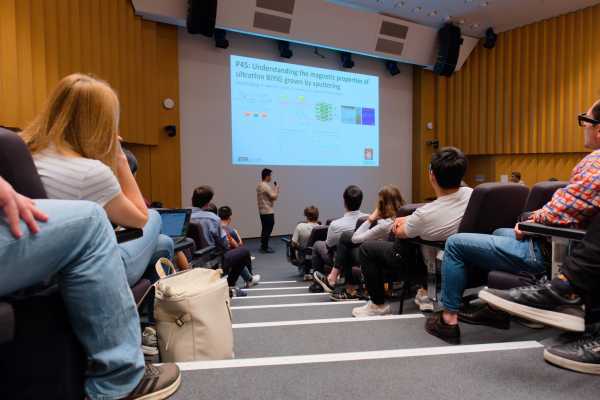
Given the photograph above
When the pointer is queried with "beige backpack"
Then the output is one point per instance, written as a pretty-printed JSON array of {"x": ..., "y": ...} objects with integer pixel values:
[{"x": 193, "y": 316}]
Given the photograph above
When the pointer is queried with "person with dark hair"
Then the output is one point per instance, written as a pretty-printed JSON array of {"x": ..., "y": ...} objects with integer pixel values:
[
  {"x": 303, "y": 229},
  {"x": 235, "y": 240},
  {"x": 131, "y": 160},
  {"x": 515, "y": 177},
  {"x": 510, "y": 250},
  {"x": 266, "y": 196},
  {"x": 323, "y": 251},
  {"x": 434, "y": 221},
  {"x": 235, "y": 258},
  {"x": 376, "y": 227}
]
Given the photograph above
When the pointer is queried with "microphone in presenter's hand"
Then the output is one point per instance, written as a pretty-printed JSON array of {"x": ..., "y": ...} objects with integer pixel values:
[{"x": 275, "y": 183}]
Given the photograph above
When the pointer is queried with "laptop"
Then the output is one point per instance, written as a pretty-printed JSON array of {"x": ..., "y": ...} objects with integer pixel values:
[{"x": 175, "y": 222}]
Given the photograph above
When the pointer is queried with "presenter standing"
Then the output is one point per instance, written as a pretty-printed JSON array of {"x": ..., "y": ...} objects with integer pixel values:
[{"x": 266, "y": 196}]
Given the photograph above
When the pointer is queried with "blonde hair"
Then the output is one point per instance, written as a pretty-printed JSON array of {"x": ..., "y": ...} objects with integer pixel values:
[
  {"x": 390, "y": 200},
  {"x": 81, "y": 115}
]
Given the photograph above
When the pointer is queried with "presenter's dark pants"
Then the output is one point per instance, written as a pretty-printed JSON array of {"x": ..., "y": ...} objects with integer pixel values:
[{"x": 267, "y": 221}]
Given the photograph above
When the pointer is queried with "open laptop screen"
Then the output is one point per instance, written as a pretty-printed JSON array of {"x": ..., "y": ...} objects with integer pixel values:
[{"x": 174, "y": 222}]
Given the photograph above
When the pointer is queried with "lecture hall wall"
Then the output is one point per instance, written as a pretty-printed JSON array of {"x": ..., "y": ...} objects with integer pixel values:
[
  {"x": 42, "y": 41},
  {"x": 515, "y": 107}
]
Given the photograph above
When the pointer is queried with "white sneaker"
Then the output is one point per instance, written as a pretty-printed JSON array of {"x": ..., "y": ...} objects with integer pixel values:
[
  {"x": 371, "y": 310},
  {"x": 423, "y": 301},
  {"x": 253, "y": 282}
]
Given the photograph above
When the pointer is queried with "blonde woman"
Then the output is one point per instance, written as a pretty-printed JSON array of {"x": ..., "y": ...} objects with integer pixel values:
[
  {"x": 77, "y": 151},
  {"x": 376, "y": 227}
]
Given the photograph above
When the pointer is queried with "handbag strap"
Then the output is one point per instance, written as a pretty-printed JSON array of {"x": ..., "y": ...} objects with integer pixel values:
[{"x": 160, "y": 270}]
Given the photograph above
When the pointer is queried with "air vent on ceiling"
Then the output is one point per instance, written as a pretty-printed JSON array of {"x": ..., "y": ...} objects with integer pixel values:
[
  {"x": 284, "y": 6},
  {"x": 389, "y": 46},
  {"x": 393, "y": 30},
  {"x": 272, "y": 22}
]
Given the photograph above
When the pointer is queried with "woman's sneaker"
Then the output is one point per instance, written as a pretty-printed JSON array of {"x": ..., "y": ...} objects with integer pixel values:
[
  {"x": 371, "y": 310},
  {"x": 423, "y": 301},
  {"x": 253, "y": 282},
  {"x": 159, "y": 382}
]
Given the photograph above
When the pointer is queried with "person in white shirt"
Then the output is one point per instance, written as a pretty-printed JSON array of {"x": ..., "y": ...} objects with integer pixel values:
[
  {"x": 266, "y": 197},
  {"x": 434, "y": 221},
  {"x": 323, "y": 251},
  {"x": 376, "y": 227}
]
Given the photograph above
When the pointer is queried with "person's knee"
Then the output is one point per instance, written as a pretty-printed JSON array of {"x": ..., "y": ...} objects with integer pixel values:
[{"x": 165, "y": 246}]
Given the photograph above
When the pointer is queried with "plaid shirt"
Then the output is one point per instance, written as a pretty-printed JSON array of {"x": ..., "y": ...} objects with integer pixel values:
[{"x": 574, "y": 205}]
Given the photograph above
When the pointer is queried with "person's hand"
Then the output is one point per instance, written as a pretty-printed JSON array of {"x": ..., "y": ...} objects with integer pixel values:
[
  {"x": 398, "y": 222},
  {"x": 375, "y": 215},
  {"x": 17, "y": 207},
  {"x": 519, "y": 235}
]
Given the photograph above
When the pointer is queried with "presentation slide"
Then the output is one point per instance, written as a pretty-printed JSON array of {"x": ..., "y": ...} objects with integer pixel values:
[{"x": 287, "y": 114}]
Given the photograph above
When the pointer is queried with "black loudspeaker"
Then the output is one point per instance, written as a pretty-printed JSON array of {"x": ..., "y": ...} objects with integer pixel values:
[
  {"x": 201, "y": 17},
  {"x": 449, "y": 41},
  {"x": 490, "y": 38}
]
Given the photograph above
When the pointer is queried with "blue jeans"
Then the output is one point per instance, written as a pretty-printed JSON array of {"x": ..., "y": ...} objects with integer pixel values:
[
  {"x": 78, "y": 246},
  {"x": 499, "y": 251},
  {"x": 138, "y": 254}
]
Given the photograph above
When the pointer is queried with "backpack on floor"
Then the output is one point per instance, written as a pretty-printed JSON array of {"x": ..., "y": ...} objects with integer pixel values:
[{"x": 193, "y": 316}]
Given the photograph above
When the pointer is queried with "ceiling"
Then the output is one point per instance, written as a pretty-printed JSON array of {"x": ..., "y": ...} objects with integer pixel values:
[{"x": 474, "y": 16}]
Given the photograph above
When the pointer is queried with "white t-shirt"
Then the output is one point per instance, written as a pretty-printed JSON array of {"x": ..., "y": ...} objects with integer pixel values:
[
  {"x": 76, "y": 178},
  {"x": 380, "y": 231},
  {"x": 302, "y": 233},
  {"x": 439, "y": 219}
]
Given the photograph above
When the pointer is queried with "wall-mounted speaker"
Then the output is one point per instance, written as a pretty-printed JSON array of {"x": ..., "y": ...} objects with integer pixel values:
[
  {"x": 449, "y": 41},
  {"x": 201, "y": 17}
]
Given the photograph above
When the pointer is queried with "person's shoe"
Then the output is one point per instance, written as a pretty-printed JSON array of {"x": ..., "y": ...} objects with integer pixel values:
[
  {"x": 343, "y": 294},
  {"x": 159, "y": 382},
  {"x": 268, "y": 250},
  {"x": 581, "y": 355},
  {"x": 253, "y": 282},
  {"x": 308, "y": 278},
  {"x": 423, "y": 301},
  {"x": 315, "y": 288},
  {"x": 150, "y": 344},
  {"x": 528, "y": 324},
  {"x": 483, "y": 314},
  {"x": 371, "y": 310},
  {"x": 236, "y": 292},
  {"x": 436, "y": 326},
  {"x": 322, "y": 280},
  {"x": 540, "y": 303}
]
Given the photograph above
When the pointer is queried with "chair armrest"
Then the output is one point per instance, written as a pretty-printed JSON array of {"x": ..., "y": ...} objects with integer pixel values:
[
  {"x": 286, "y": 240},
  {"x": 436, "y": 244},
  {"x": 552, "y": 231},
  {"x": 206, "y": 251},
  {"x": 125, "y": 235}
]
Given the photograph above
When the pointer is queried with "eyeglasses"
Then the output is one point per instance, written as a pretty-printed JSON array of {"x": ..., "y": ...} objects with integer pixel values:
[{"x": 582, "y": 118}]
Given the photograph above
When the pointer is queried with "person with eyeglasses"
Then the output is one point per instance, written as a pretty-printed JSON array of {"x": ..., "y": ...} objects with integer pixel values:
[{"x": 510, "y": 250}]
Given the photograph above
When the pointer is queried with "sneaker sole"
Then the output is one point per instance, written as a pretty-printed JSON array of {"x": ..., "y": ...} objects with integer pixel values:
[
  {"x": 550, "y": 318},
  {"x": 576, "y": 366},
  {"x": 163, "y": 393},
  {"x": 149, "y": 350},
  {"x": 425, "y": 306},
  {"x": 447, "y": 340},
  {"x": 371, "y": 315},
  {"x": 326, "y": 288},
  {"x": 341, "y": 300}
]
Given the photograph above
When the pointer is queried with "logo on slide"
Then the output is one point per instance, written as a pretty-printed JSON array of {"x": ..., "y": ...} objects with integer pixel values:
[
  {"x": 358, "y": 115},
  {"x": 324, "y": 112}
]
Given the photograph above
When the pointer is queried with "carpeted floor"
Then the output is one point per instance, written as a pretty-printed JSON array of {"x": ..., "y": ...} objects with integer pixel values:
[{"x": 290, "y": 344}]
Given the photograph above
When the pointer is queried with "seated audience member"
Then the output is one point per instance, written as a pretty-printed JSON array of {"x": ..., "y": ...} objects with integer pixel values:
[
  {"x": 434, "y": 221},
  {"x": 515, "y": 177},
  {"x": 559, "y": 302},
  {"x": 211, "y": 207},
  {"x": 235, "y": 241},
  {"x": 76, "y": 149},
  {"x": 323, "y": 251},
  {"x": 508, "y": 250},
  {"x": 235, "y": 259},
  {"x": 303, "y": 230},
  {"x": 377, "y": 227},
  {"x": 76, "y": 243}
]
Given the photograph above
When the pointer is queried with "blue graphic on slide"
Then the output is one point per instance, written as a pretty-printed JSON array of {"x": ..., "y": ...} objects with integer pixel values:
[{"x": 288, "y": 114}]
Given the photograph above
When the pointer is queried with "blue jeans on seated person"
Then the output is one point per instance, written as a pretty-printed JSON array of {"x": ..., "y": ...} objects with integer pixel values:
[
  {"x": 499, "y": 251},
  {"x": 78, "y": 246},
  {"x": 143, "y": 252}
]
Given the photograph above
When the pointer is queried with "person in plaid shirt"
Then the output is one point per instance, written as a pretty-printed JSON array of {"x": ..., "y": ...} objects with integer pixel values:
[{"x": 509, "y": 250}]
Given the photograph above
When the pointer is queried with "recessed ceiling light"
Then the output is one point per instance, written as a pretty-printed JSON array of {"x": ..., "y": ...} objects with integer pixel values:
[
  {"x": 484, "y": 4},
  {"x": 475, "y": 26},
  {"x": 399, "y": 4},
  {"x": 417, "y": 9},
  {"x": 462, "y": 22},
  {"x": 433, "y": 13}
]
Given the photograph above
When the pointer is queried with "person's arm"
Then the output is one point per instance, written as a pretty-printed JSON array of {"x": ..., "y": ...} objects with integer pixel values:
[
  {"x": 17, "y": 207},
  {"x": 399, "y": 228},
  {"x": 296, "y": 235},
  {"x": 239, "y": 240},
  {"x": 332, "y": 235},
  {"x": 365, "y": 232},
  {"x": 273, "y": 193}
]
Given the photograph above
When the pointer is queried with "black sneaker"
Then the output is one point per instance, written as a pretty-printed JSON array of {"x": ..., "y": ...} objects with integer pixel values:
[
  {"x": 436, "y": 326},
  {"x": 540, "y": 303},
  {"x": 344, "y": 294},
  {"x": 321, "y": 279},
  {"x": 482, "y": 314},
  {"x": 315, "y": 288},
  {"x": 158, "y": 383},
  {"x": 581, "y": 355}
]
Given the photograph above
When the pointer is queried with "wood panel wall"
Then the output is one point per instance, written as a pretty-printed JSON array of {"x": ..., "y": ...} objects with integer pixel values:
[
  {"x": 514, "y": 107},
  {"x": 41, "y": 41}
]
